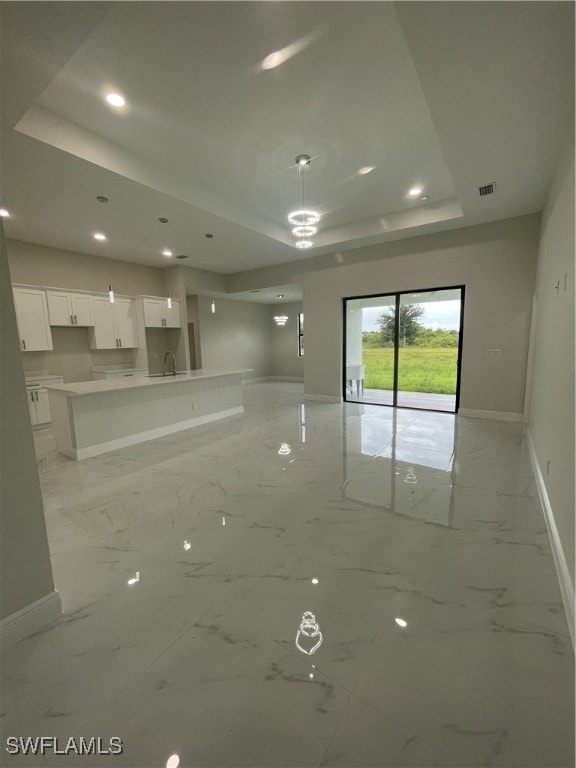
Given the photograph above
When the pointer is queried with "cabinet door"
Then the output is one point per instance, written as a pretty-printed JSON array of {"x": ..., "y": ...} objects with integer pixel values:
[
  {"x": 152, "y": 313},
  {"x": 125, "y": 322},
  {"x": 32, "y": 318},
  {"x": 42, "y": 406},
  {"x": 59, "y": 308},
  {"x": 104, "y": 333},
  {"x": 172, "y": 315},
  {"x": 32, "y": 406},
  {"x": 82, "y": 308}
]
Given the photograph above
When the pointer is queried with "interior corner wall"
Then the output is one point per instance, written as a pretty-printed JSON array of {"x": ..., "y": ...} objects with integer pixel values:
[
  {"x": 496, "y": 263},
  {"x": 25, "y": 569},
  {"x": 236, "y": 335},
  {"x": 284, "y": 359},
  {"x": 551, "y": 420}
]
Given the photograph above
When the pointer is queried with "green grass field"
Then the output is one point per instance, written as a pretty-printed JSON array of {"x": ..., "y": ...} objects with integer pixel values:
[{"x": 421, "y": 369}]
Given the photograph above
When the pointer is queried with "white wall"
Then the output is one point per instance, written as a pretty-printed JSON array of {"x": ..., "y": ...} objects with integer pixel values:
[
  {"x": 40, "y": 265},
  {"x": 551, "y": 421},
  {"x": 25, "y": 570},
  {"x": 284, "y": 359},
  {"x": 237, "y": 335},
  {"x": 496, "y": 262}
]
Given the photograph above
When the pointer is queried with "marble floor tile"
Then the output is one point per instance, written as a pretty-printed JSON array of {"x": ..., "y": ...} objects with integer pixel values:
[{"x": 189, "y": 567}]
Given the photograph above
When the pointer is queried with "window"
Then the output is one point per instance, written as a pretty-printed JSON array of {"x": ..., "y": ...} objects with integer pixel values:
[{"x": 301, "y": 334}]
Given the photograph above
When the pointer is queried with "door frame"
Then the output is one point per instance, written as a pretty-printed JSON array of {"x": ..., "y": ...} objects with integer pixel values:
[{"x": 397, "y": 295}]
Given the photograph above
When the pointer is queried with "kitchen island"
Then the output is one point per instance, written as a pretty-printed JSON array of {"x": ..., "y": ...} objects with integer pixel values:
[{"x": 93, "y": 417}]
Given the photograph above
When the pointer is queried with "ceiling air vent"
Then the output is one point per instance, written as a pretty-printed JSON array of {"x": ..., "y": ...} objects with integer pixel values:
[
  {"x": 182, "y": 256},
  {"x": 487, "y": 189}
]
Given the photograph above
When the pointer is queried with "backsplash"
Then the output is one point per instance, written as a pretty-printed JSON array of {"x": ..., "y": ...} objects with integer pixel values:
[
  {"x": 158, "y": 342},
  {"x": 71, "y": 358}
]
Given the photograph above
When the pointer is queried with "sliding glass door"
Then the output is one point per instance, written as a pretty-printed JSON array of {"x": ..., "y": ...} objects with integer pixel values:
[{"x": 403, "y": 349}]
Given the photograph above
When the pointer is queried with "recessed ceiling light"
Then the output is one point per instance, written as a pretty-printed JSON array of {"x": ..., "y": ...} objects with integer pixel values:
[
  {"x": 425, "y": 197},
  {"x": 279, "y": 295},
  {"x": 99, "y": 236},
  {"x": 401, "y": 622},
  {"x": 166, "y": 252},
  {"x": 366, "y": 169},
  {"x": 163, "y": 220},
  {"x": 4, "y": 213},
  {"x": 209, "y": 235},
  {"x": 115, "y": 100},
  {"x": 415, "y": 191}
]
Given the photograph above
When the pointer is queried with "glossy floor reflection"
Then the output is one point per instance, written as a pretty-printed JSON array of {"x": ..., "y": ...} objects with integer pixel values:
[{"x": 305, "y": 585}]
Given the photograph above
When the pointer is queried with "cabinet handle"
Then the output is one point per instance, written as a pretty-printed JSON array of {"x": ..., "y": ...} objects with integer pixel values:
[
  {"x": 32, "y": 395},
  {"x": 117, "y": 344},
  {"x": 71, "y": 319},
  {"x": 36, "y": 395},
  {"x": 120, "y": 340},
  {"x": 23, "y": 343},
  {"x": 75, "y": 320}
]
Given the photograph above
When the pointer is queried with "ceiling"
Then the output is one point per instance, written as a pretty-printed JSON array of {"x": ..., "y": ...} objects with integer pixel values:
[{"x": 447, "y": 96}]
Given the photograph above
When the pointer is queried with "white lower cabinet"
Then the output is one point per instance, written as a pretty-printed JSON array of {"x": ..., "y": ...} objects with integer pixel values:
[
  {"x": 114, "y": 324},
  {"x": 39, "y": 402},
  {"x": 32, "y": 319}
]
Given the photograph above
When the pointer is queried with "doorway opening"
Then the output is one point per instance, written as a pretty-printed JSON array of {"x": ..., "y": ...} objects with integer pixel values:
[{"x": 404, "y": 349}]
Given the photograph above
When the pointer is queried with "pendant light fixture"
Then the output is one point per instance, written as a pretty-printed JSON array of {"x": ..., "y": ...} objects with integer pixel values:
[
  {"x": 111, "y": 294},
  {"x": 169, "y": 302},
  {"x": 303, "y": 219}
]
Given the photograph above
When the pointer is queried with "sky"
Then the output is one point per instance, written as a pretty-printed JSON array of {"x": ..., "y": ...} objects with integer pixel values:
[{"x": 437, "y": 314}]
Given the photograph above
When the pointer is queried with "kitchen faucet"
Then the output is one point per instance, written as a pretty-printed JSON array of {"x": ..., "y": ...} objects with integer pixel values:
[{"x": 173, "y": 369}]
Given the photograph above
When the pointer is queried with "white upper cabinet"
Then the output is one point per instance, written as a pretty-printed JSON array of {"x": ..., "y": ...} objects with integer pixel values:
[
  {"x": 126, "y": 322},
  {"x": 172, "y": 315},
  {"x": 157, "y": 314},
  {"x": 32, "y": 318},
  {"x": 66, "y": 308},
  {"x": 114, "y": 324},
  {"x": 104, "y": 334},
  {"x": 153, "y": 317}
]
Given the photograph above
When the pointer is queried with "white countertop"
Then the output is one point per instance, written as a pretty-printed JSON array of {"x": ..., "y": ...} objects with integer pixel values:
[
  {"x": 33, "y": 376},
  {"x": 110, "y": 385}
]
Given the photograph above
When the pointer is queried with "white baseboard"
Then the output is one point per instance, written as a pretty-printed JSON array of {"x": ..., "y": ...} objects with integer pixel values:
[
  {"x": 323, "y": 398},
  {"x": 564, "y": 579},
  {"x": 273, "y": 378},
  {"x": 151, "y": 434},
  {"x": 29, "y": 619},
  {"x": 502, "y": 415}
]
